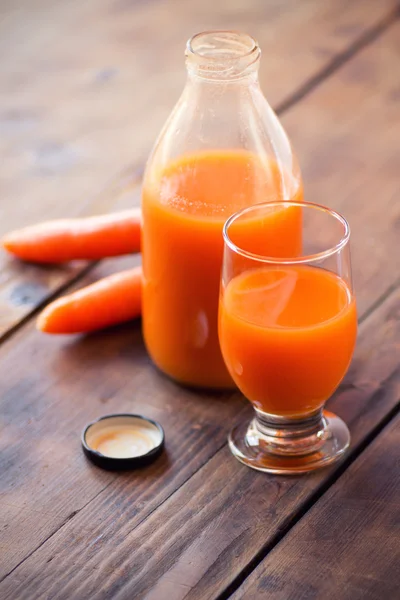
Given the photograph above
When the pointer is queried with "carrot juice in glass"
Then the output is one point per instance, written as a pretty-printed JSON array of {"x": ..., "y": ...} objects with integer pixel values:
[
  {"x": 221, "y": 150},
  {"x": 287, "y": 328}
]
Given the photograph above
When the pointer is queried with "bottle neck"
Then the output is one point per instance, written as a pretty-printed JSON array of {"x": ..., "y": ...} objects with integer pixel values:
[{"x": 193, "y": 78}]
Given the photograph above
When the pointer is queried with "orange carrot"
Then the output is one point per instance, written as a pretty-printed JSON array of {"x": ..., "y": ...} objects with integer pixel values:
[
  {"x": 88, "y": 238},
  {"x": 109, "y": 301}
]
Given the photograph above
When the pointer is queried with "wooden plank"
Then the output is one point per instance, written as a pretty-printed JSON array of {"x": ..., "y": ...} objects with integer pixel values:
[
  {"x": 72, "y": 114},
  {"x": 368, "y": 396},
  {"x": 347, "y": 134},
  {"x": 348, "y": 544},
  {"x": 50, "y": 387},
  {"x": 54, "y": 377},
  {"x": 25, "y": 287},
  {"x": 204, "y": 534}
]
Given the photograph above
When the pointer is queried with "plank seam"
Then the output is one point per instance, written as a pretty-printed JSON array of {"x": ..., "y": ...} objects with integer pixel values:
[
  {"x": 58, "y": 528},
  {"x": 367, "y": 38},
  {"x": 36, "y": 310},
  {"x": 304, "y": 508},
  {"x": 380, "y": 300},
  {"x": 75, "y": 512},
  {"x": 131, "y": 174},
  {"x": 303, "y": 91}
]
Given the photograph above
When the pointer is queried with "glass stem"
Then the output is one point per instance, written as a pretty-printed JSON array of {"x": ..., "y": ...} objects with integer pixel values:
[{"x": 285, "y": 435}]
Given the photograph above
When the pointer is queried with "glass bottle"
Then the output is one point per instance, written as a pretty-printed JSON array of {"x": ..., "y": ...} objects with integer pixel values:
[{"x": 222, "y": 149}]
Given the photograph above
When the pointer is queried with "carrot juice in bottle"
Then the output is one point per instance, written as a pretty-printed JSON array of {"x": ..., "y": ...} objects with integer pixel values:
[{"x": 221, "y": 149}]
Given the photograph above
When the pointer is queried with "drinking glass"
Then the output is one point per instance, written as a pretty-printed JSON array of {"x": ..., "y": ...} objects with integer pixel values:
[{"x": 287, "y": 330}]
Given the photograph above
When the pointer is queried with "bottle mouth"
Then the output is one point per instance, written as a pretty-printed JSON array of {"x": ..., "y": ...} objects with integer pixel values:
[{"x": 222, "y": 54}]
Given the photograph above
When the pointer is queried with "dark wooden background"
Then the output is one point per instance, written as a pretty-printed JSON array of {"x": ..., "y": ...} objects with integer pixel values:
[{"x": 85, "y": 87}]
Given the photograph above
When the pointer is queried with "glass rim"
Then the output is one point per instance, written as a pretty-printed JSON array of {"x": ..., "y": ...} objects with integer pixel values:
[
  {"x": 254, "y": 46},
  {"x": 307, "y": 258}
]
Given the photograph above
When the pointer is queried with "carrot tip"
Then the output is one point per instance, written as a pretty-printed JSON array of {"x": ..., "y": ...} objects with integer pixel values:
[
  {"x": 7, "y": 243},
  {"x": 41, "y": 323}
]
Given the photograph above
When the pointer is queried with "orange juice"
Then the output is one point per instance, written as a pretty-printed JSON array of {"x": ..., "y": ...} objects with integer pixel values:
[
  {"x": 184, "y": 208},
  {"x": 287, "y": 335}
]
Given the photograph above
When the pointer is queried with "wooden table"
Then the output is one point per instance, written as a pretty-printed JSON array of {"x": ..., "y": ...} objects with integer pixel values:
[{"x": 86, "y": 85}]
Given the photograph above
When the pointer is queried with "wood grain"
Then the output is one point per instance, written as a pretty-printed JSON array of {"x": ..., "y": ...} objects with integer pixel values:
[
  {"x": 26, "y": 287},
  {"x": 50, "y": 387},
  {"x": 349, "y": 541},
  {"x": 188, "y": 525},
  {"x": 347, "y": 135},
  {"x": 203, "y": 535},
  {"x": 367, "y": 396},
  {"x": 80, "y": 103}
]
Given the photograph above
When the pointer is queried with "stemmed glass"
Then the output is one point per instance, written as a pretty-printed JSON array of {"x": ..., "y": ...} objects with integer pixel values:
[{"x": 287, "y": 329}]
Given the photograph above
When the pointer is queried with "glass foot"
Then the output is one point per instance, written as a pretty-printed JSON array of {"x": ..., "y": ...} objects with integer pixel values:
[{"x": 289, "y": 446}]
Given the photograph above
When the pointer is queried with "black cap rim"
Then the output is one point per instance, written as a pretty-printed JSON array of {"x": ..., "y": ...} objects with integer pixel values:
[{"x": 122, "y": 464}]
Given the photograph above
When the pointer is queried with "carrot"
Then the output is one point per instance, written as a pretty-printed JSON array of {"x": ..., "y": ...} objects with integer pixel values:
[
  {"x": 109, "y": 301},
  {"x": 88, "y": 238}
]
